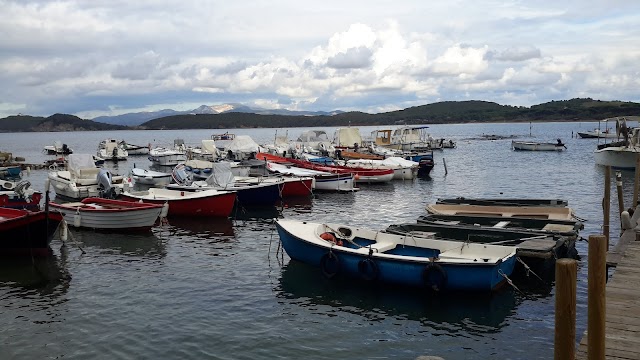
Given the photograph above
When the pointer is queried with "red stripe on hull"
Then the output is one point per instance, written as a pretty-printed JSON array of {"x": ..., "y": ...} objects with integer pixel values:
[{"x": 214, "y": 206}]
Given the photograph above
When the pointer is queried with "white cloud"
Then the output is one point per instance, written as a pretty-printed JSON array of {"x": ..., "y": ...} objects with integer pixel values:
[{"x": 111, "y": 56}]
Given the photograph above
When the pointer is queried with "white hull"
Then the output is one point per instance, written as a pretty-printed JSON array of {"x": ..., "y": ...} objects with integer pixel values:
[
  {"x": 65, "y": 185},
  {"x": 322, "y": 181},
  {"x": 166, "y": 157},
  {"x": 533, "y": 146},
  {"x": 138, "y": 151},
  {"x": 617, "y": 157},
  {"x": 129, "y": 219},
  {"x": 148, "y": 177}
]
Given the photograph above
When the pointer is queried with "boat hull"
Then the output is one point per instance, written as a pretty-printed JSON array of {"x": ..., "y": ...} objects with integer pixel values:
[
  {"x": 105, "y": 214},
  {"x": 393, "y": 270},
  {"x": 216, "y": 205},
  {"x": 295, "y": 187},
  {"x": 617, "y": 156},
  {"x": 27, "y": 233},
  {"x": 532, "y": 146}
]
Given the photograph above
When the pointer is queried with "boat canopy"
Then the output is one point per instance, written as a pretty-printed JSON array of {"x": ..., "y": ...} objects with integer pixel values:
[
  {"x": 221, "y": 175},
  {"x": 76, "y": 162},
  {"x": 243, "y": 144},
  {"x": 347, "y": 137}
]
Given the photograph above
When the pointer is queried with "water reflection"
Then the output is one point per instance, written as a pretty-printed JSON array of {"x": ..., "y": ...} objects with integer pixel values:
[
  {"x": 46, "y": 277},
  {"x": 210, "y": 228},
  {"x": 145, "y": 244},
  {"x": 485, "y": 313}
]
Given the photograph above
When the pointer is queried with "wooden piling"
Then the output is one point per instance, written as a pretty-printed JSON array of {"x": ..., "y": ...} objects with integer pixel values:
[
  {"x": 606, "y": 202},
  {"x": 444, "y": 161},
  {"x": 565, "y": 332},
  {"x": 635, "y": 182},
  {"x": 619, "y": 191},
  {"x": 597, "y": 281}
]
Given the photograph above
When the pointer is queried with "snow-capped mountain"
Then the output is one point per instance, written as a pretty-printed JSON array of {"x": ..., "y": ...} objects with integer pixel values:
[{"x": 134, "y": 119}]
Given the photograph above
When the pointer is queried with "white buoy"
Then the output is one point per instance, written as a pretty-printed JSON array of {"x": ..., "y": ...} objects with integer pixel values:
[
  {"x": 165, "y": 210},
  {"x": 77, "y": 219},
  {"x": 28, "y": 170},
  {"x": 47, "y": 184},
  {"x": 64, "y": 231}
]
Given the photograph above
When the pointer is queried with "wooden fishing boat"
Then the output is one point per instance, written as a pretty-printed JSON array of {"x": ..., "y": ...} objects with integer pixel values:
[
  {"x": 535, "y": 243},
  {"x": 206, "y": 203},
  {"x": 538, "y": 146},
  {"x": 372, "y": 255},
  {"x": 108, "y": 214},
  {"x": 569, "y": 228},
  {"x": 28, "y": 233},
  {"x": 536, "y": 212},
  {"x": 361, "y": 175},
  {"x": 503, "y": 201}
]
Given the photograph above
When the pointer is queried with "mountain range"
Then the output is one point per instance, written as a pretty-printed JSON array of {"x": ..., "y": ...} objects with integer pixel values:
[{"x": 138, "y": 118}]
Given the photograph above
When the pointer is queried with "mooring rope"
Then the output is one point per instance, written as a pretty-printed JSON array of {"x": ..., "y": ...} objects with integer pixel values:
[
  {"x": 501, "y": 273},
  {"x": 528, "y": 269}
]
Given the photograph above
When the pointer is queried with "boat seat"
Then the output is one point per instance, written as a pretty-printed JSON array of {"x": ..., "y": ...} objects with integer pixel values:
[
  {"x": 501, "y": 224},
  {"x": 88, "y": 173},
  {"x": 558, "y": 227},
  {"x": 383, "y": 246}
]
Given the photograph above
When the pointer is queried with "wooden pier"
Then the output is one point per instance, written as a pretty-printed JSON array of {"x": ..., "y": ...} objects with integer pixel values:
[{"x": 622, "y": 309}]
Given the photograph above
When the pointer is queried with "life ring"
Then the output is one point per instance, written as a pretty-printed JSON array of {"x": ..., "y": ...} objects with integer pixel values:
[
  {"x": 329, "y": 264},
  {"x": 434, "y": 277},
  {"x": 368, "y": 269},
  {"x": 331, "y": 238}
]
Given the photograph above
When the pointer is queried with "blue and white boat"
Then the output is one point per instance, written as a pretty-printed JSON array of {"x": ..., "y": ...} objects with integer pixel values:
[{"x": 372, "y": 255}]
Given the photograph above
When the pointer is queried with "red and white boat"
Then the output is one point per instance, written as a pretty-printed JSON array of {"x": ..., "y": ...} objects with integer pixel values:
[
  {"x": 322, "y": 180},
  {"x": 214, "y": 203},
  {"x": 108, "y": 214},
  {"x": 361, "y": 175},
  {"x": 24, "y": 232}
]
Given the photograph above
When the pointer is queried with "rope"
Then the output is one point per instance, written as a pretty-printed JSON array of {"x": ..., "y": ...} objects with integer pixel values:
[
  {"x": 501, "y": 273},
  {"x": 528, "y": 270},
  {"x": 339, "y": 233}
]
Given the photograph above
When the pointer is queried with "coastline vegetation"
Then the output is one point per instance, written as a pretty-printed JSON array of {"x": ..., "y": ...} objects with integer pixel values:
[{"x": 447, "y": 112}]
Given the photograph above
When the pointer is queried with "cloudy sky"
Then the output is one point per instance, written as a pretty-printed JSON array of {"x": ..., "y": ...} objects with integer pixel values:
[{"x": 107, "y": 57}]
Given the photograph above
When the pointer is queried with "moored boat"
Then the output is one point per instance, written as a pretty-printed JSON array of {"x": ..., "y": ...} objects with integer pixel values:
[
  {"x": 536, "y": 212},
  {"x": 538, "y": 146},
  {"x": 361, "y": 175},
  {"x": 109, "y": 214},
  {"x": 206, "y": 203},
  {"x": 166, "y": 157},
  {"x": 150, "y": 177},
  {"x": 83, "y": 179},
  {"x": 111, "y": 149},
  {"x": 322, "y": 180},
  {"x": 503, "y": 201},
  {"x": 24, "y": 232},
  {"x": 371, "y": 255},
  {"x": 19, "y": 195}
]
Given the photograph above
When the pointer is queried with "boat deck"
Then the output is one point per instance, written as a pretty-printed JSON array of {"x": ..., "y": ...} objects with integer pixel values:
[
  {"x": 622, "y": 327},
  {"x": 542, "y": 248}
]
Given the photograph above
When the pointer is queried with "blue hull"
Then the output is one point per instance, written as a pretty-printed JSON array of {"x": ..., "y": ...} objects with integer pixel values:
[
  {"x": 259, "y": 196},
  {"x": 459, "y": 277}
]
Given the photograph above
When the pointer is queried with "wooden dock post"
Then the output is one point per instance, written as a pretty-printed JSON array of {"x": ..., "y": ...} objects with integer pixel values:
[
  {"x": 606, "y": 202},
  {"x": 444, "y": 161},
  {"x": 566, "y": 278},
  {"x": 635, "y": 182},
  {"x": 619, "y": 191},
  {"x": 597, "y": 282}
]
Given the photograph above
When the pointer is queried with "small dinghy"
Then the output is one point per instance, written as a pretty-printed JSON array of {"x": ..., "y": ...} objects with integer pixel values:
[
  {"x": 108, "y": 214},
  {"x": 372, "y": 255},
  {"x": 150, "y": 177}
]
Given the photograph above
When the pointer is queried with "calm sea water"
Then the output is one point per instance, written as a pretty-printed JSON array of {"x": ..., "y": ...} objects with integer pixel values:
[{"x": 221, "y": 289}]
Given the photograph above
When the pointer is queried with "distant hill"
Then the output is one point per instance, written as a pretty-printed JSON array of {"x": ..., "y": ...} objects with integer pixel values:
[
  {"x": 134, "y": 119},
  {"x": 447, "y": 112},
  {"x": 56, "y": 122},
  {"x": 437, "y": 113}
]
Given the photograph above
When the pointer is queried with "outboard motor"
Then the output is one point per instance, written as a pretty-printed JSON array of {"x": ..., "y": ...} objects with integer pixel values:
[
  {"x": 21, "y": 189},
  {"x": 180, "y": 175},
  {"x": 105, "y": 185}
]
